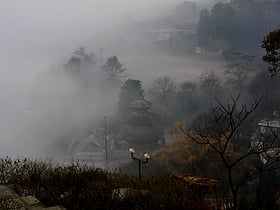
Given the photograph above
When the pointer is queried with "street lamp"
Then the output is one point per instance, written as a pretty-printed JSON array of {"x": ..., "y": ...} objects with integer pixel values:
[{"x": 139, "y": 160}]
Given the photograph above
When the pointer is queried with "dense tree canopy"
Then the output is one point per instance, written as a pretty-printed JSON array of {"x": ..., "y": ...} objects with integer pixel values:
[
  {"x": 183, "y": 155},
  {"x": 186, "y": 94},
  {"x": 204, "y": 27},
  {"x": 113, "y": 69},
  {"x": 271, "y": 44},
  {"x": 221, "y": 133},
  {"x": 80, "y": 62},
  {"x": 237, "y": 24},
  {"x": 209, "y": 83},
  {"x": 163, "y": 87},
  {"x": 131, "y": 90}
]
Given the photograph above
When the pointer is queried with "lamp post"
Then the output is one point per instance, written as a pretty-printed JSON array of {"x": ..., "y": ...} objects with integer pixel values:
[{"x": 139, "y": 160}]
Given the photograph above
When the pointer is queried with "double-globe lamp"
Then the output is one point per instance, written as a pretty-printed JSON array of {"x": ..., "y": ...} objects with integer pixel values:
[{"x": 139, "y": 160}]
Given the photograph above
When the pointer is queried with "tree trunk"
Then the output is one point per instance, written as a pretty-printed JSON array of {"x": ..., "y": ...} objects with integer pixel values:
[
  {"x": 233, "y": 190},
  {"x": 234, "y": 199}
]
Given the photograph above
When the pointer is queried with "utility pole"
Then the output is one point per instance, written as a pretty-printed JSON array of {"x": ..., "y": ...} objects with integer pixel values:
[{"x": 106, "y": 144}]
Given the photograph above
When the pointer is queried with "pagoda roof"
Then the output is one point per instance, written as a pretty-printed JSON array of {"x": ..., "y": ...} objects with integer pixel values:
[{"x": 140, "y": 104}]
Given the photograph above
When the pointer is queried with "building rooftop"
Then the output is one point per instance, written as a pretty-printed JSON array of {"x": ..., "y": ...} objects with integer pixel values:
[{"x": 140, "y": 104}]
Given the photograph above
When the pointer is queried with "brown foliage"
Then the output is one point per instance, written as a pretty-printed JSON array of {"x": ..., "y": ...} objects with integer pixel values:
[{"x": 80, "y": 187}]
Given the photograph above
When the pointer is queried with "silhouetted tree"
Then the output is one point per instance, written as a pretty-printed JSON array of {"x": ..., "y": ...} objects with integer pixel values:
[
  {"x": 219, "y": 133},
  {"x": 187, "y": 93},
  {"x": 269, "y": 88},
  {"x": 131, "y": 90},
  {"x": 271, "y": 44},
  {"x": 209, "y": 84},
  {"x": 222, "y": 17},
  {"x": 113, "y": 69},
  {"x": 164, "y": 87},
  {"x": 238, "y": 68},
  {"x": 236, "y": 24},
  {"x": 80, "y": 60},
  {"x": 204, "y": 27}
]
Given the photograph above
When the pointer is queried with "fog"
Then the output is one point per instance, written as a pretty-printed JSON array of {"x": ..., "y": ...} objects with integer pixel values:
[{"x": 39, "y": 104}]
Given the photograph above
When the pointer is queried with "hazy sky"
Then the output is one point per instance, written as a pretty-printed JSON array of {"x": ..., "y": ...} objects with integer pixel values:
[
  {"x": 39, "y": 33},
  {"x": 48, "y": 29},
  {"x": 36, "y": 34}
]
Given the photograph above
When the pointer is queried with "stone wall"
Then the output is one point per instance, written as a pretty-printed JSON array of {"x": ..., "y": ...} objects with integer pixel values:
[{"x": 9, "y": 200}]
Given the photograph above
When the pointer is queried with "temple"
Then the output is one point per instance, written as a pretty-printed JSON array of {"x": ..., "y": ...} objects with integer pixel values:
[{"x": 139, "y": 129}]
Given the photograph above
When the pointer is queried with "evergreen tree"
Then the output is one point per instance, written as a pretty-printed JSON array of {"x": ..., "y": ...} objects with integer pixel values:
[
  {"x": 113, "y": 69},
  {"x": 131, "y": 90}
]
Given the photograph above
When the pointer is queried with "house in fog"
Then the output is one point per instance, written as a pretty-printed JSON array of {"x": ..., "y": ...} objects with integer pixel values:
[
  {"x": 179, "y": 30},
  {"x": 270, "y": 124},
  {"x": 139, "y": 129},
  {"x": 89, "y": 150},
  {"x": 267, "y": 136}
]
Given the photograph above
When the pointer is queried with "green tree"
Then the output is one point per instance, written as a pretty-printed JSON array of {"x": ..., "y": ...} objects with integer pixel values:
[
  {"x": 131, "y": 90},
  {"x": 113, "y": 69},
  {"x": 271, "y": 44}
]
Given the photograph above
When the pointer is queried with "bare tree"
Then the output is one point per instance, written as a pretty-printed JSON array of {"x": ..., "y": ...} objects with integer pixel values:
[
  {"x": 209, "y": 83},
  {"x": 164, "y": 87},
  {"x": 237, "y": 76},
  {"x": 186, "y": 94},
  {"x": 239, "y": 66},
  {"x": 221, "y": 131}
]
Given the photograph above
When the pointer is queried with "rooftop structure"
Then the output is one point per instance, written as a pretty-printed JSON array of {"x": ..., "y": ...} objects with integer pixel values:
[
  {"x": 139, "y": 128},
  {"x": 269, "y": 133},
  {"x": 270, "y": 123},
  {"x": 171, "y": 34},
  {"x": 89, "y": 150},
  {"x": 140, "y": 105}
]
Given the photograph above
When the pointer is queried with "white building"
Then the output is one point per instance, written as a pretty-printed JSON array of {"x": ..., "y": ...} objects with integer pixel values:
[
  {"x": 270, "y": 124},
  {"x": 268, "y": 138}
]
